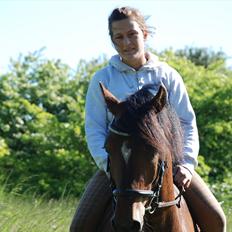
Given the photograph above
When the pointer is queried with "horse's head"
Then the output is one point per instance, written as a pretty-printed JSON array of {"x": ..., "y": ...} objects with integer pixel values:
[{"x": 136, "y": 144}]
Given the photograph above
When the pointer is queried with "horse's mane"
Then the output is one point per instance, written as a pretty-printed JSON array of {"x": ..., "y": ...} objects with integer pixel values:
[{"x": 162, "y": 131}]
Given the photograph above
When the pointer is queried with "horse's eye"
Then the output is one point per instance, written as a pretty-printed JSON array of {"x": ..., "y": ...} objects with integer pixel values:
[{"x": 105, "y": 147}]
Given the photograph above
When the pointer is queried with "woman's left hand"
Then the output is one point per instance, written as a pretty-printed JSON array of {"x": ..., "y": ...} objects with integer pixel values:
[{"x": 182, "y": 176}]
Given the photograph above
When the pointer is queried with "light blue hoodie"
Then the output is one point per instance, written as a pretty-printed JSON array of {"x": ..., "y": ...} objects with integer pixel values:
[{"x": 122, "y": 80}]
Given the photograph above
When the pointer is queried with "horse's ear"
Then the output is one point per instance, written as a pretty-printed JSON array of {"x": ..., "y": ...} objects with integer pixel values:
[
  {"x": 160, "y": 99},
  {"x": 112, "y": 102}
]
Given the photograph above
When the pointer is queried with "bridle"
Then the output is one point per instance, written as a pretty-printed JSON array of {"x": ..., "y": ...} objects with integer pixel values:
[{"x": 153, "y": 195}]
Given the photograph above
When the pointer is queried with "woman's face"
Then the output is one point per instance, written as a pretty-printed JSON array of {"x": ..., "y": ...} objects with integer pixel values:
[{"x": 128, "y": 40}]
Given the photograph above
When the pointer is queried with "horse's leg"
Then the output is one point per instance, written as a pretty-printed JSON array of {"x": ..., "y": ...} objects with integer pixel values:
[
  {"x": 204, "y": 207},
  {"x": 92, "y": 204}
]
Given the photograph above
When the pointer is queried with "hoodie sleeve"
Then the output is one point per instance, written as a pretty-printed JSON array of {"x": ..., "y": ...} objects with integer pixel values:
[
  {"x": 179, "y": 99},
  {"x": 96, "y": 123}
]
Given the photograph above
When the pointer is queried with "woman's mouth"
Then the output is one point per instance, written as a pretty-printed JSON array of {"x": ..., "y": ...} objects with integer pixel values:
[{"x": 129, "y": 51}]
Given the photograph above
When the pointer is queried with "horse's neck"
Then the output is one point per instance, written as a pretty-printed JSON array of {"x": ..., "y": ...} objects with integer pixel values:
[
  {"x": 170, "y": 215},
  {"x": 167, "y": 219}
]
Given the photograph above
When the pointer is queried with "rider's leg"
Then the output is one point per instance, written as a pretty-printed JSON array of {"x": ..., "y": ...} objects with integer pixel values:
[
  {"x": 92, "y": 204},
  {"x": 204, "y": 207}
]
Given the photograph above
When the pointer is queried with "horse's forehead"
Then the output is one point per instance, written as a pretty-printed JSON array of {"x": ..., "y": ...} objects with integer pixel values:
[
  {"x": 126, "y": 151},
  {"x": 126, "y": 146}
]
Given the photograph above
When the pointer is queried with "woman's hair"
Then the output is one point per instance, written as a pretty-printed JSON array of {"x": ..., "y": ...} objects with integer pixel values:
[{"x": 128, "y": 13}]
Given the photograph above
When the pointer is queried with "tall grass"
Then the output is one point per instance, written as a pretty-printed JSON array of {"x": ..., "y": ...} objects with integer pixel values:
[
  {"x": 22, "y": 213},
  {"x": 228, "y": 211}
]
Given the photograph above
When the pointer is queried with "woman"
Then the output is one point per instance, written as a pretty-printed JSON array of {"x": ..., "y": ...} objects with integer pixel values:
[{"x": 126, "y": 73}]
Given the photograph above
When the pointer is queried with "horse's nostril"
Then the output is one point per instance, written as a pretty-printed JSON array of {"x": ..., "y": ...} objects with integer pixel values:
[
  {"x": 136, "y": 226},
  {"x": 113, "y": 225}
]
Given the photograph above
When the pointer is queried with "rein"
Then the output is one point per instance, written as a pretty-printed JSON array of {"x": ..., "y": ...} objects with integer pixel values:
[
  {"x": 119, "y": 132},
  {"x": 154, "y": 203},
  {"x": 154, "y": 195}
]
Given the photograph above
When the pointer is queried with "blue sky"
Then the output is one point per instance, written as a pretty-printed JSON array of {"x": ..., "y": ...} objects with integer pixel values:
[{"x": 74, "y": 29}]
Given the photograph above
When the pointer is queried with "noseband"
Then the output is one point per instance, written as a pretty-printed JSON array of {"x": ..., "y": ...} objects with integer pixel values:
[{"x": 153, "y": 195}]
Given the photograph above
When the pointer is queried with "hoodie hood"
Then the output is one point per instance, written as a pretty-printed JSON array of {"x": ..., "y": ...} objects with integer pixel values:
[{"x": 152, "y": 62}]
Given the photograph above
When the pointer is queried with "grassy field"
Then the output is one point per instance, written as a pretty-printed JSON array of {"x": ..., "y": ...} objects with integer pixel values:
[
  {"x": 228, "y": 211},
  {"x": 19, "y": 213},
  {"x": 34, "y": 214}
]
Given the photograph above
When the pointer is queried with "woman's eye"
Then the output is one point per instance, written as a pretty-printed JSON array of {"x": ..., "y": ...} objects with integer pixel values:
[
  {"x": 132, "y": 34},
  {"x": 118, "y": 37}
]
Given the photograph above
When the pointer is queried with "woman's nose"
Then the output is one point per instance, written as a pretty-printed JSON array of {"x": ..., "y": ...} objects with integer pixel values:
[{"x": 126, "y": 41}]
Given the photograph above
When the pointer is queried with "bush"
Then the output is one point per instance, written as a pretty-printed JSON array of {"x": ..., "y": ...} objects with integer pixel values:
[
  {"x": 211, "y": 96},
  {"x": 42, "y": 141}
]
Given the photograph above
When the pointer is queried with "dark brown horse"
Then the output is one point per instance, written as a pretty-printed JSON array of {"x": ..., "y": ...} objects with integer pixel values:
[{"x": 144, "y": 142}]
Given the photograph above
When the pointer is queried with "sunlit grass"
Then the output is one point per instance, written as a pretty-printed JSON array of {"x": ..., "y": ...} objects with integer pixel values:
[
  {"x": 228, "y": 211},
  {"x": 34, "y": 214},
  {"x": 22, "y": 213}
]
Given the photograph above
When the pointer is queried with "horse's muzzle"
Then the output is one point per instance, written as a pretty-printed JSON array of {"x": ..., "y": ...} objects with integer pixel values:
[
  {"x": 128, "y": 218},
  {"x": 132, "y": 226}
]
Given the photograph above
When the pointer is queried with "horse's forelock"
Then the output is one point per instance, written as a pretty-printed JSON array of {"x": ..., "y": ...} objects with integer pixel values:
[{"x": 162, "y": 130}]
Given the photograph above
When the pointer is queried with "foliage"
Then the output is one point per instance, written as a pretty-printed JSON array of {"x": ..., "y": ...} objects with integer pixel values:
[
  {"x": 210, "y": 91},
  {"x": 42, "y": 142},
  {"x": 203, "y": 169},
  {"x": 201, "y": 56}
]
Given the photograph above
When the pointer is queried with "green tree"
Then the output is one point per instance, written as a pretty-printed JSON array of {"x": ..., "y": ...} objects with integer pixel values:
[
  {"x": 210, "y": 91},
  {"x": 43, "y": 146},
  {"x": 42, "y": 140},
  {"x": 201, "y": 56}
]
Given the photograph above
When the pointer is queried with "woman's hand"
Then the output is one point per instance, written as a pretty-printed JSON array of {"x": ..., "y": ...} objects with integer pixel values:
[{"x": 182, "y": 176}]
